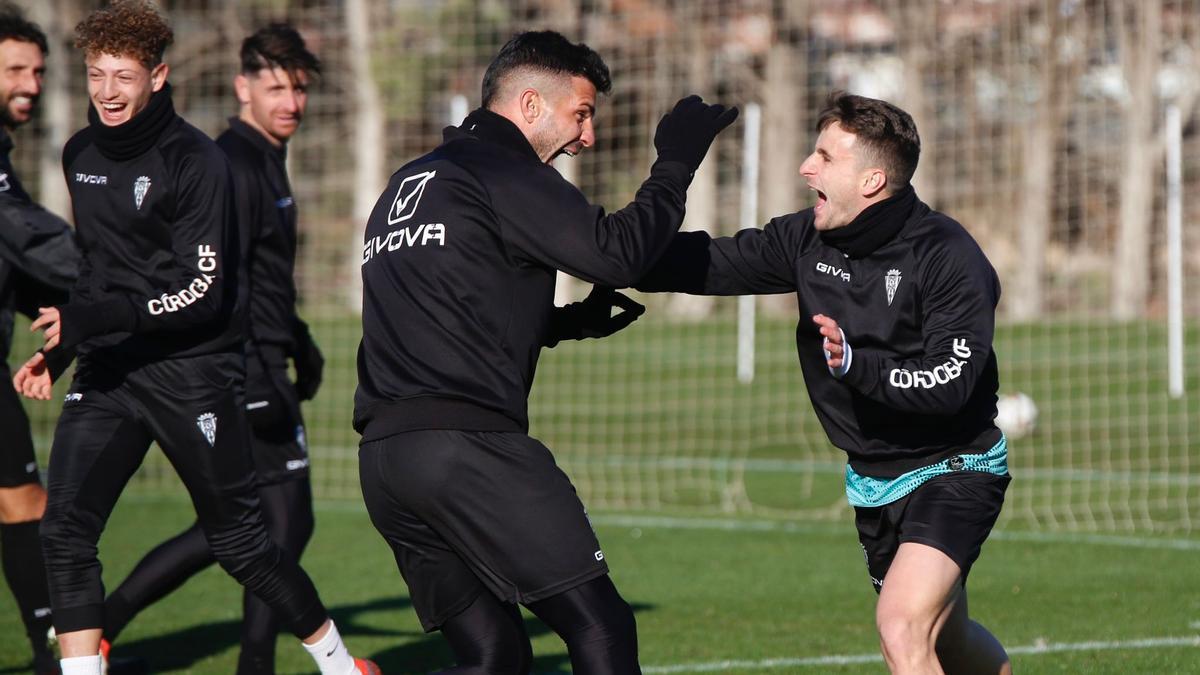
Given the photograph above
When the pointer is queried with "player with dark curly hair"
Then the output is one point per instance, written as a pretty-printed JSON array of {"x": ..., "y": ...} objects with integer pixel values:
[
  {"x": 158, "y": 319},
  {"x": 272, "y": 90}
]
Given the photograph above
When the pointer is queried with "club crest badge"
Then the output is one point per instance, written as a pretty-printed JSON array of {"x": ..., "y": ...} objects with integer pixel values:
[
  {"x": 208, "y": 426},
  {"x": 140, "y": 188},
  {"x": 891, "y": 282}
]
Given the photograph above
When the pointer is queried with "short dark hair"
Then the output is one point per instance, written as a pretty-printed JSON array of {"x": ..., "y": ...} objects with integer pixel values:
[
  {"x": 14, "y": 26},
  {"x": 885, "y": 132},
  {"x": 126, "y": 28},
  {"x": 278, "y": 45},
  {"x": 547, "y": 51}
]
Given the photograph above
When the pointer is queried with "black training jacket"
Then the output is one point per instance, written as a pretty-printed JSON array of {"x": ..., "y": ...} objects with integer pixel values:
[
  {"x": 267, "y": 216},
  {"x": 38, "y": 257},
  {"x": 155, "y": 222},
  {"x": 458, "y": 268},
  {"x": 918, "y": 314}
]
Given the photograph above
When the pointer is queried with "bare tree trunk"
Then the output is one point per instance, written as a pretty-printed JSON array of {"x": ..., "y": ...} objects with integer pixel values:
[
  {"x": 56, "y": 17},
  {"x": 917, "y": 36},
  {"x": 1057, "y": 74},
  {"x": 702, "y": 195},
  {"x": 783, "y": 140},
  {"x": 369, "y": 138},
  {"x": 1138, "y": 32}
]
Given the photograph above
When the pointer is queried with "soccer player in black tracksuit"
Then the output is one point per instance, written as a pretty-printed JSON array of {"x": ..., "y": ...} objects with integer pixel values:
[
  {"x": 898, "y": 362},
  {"x": 458, "y": 273},
  {"x": 156, "y": 315},
  {"x": 38, "y": 264},
  {"x": 272, "y": 89}
]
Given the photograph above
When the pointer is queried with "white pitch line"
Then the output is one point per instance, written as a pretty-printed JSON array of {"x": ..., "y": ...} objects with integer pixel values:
[
  {"x": 852, "y": 659},
  {"x": 792, "y": 527}
]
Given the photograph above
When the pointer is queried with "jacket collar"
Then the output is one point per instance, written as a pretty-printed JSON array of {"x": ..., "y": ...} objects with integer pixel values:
[
  {"x": 255, "y": 138},
  {"x": 491, "y": 127}
]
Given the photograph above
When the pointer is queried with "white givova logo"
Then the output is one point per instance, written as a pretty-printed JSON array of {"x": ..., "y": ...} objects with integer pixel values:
[
  {"x": 208, "y": 426},
  {"x": 891, "y": 282},
  {"x": 140, "y": 187},
  {"x": 408, "y": 196}
]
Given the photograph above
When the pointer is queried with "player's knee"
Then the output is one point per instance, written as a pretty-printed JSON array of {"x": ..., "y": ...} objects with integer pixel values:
[
  {"x": 614, "y": 632},
  {"x": 903, "y": 636},
  {"x": 243, "y": 555},
  {"x": 67, "y": 538}
]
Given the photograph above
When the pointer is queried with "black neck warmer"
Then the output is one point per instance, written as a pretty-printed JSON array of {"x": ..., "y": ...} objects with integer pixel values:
[
  {"x": 139, "y": 134},
  {"x": 874, "y": 227}
]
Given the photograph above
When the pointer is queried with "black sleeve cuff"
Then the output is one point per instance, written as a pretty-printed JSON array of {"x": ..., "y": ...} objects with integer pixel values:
[
  {"x": 58, "y": 360},
  {"x": 80, "y": 322}
]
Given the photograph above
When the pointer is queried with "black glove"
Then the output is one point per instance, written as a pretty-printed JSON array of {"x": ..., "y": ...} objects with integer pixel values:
[
  {"x": 684, "y": 134},
  {"x": 309, "y": 363},
  {"x": 592, "y": 317}
]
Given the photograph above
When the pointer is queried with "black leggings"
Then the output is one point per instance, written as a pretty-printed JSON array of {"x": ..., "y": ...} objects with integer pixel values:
[
  {"x": 287, "y": 511},
  {"x": 489, "y": 638}
]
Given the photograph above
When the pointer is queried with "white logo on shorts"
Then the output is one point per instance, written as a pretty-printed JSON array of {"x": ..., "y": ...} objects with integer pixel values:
[
  {"x": 31, "y": 467},
  {"x": 208, "y": 426},
  {"x": 599, "y": 555},
  {"x": 296, "y": 464},
  {"x": 73, "y": 396}
]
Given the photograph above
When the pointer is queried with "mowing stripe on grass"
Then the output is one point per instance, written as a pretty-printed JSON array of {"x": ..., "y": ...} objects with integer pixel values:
[
  {"x": 760, "y": 525},
  {"x": 825, "y": 467},
  {"x": 852, "y": 659},
  {"x": 835, "y": 467}
]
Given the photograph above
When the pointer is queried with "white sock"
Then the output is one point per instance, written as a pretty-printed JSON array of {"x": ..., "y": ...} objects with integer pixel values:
[
  {"x": 80, "y": 665},
  {"x": 330, "y": 653}
]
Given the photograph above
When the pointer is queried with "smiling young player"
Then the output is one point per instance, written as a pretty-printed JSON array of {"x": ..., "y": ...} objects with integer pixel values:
[{"x": 157, "y": 316}]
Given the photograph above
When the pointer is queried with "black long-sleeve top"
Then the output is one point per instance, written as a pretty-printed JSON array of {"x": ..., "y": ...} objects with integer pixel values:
[
  {"x": 154, "y": 216},
  {"x": 458, "y": 271},
  {"x": 917, "y": 309},
  {"x": 39, "y": 261},
  {"x": 267, "y": 214}
]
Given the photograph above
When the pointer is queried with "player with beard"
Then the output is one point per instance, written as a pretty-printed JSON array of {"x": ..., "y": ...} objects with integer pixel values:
[
  {"x": 458, "y": 272},
  {"x": 157, "y": 315},
  {"x": 38, "y": 264},
  {"x": 272, "y": 88}
]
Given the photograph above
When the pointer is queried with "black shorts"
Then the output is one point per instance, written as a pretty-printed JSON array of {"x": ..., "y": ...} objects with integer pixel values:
[
  {"x": 469, "y": 511},
  {"x": 953, "y": 513},
  {"x": 277, "y": 440},
  {"x": 18, "y": 462}
]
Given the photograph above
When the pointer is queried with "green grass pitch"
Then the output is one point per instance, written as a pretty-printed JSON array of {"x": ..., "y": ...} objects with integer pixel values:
[
  {"x": 706, "y": 598},
  {"x": 719, "y": 509}
]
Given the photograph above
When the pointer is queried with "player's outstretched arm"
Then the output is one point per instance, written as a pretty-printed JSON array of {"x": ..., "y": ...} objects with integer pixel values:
[{"x": 614, "y": 249}]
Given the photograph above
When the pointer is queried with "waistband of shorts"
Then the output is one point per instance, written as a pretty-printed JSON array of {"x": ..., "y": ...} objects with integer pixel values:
[
  {"x": 871, "y": 492},
  {"x": 431, "y": 412}
]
